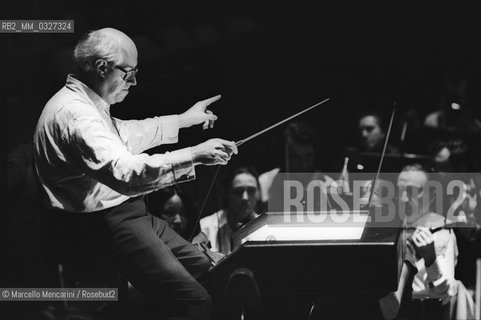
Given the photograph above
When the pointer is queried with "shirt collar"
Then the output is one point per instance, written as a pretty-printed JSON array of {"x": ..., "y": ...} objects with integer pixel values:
[{"x": 78, "y": 86}]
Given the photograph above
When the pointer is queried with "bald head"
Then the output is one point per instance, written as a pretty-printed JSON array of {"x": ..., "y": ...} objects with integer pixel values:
[
  {"x": 107, "y": 61},
  {"x": 108, "y": 44},
  {"x": 116, "y": 35}
]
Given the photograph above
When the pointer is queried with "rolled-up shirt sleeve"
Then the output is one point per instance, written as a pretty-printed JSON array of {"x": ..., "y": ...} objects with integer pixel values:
[{"x": 105, "y": 157}]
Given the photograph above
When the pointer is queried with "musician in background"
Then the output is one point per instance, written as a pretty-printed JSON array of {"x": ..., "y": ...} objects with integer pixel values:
[
  {"x": 176, "y": 207},
  {"x": 300, "y": 141},
  {"x": 449, "y": 155},
  {"x": 372, "y": 131},
  {"x": 436, "y": 253},
  {"x": 240, "y": 205},
  {"x": 458, "y": 105},
  {"x": 451, "y": 158},
  {"x": 365, "y": 149}
]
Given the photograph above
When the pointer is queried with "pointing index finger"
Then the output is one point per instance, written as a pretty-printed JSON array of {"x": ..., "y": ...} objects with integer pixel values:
[{"x": 211, "y": 100}]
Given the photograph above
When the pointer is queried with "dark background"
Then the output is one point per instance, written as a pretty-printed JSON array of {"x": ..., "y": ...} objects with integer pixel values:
[{"x": 267, "y": 59}]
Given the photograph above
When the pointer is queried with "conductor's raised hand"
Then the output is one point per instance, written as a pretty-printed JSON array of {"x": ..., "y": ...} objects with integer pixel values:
[
  {"x": 213, "y": 151},
  {"x": 198, "y": 114}
]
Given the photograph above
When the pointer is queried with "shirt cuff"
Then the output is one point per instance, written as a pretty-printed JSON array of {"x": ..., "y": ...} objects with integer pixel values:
[
  {"x": 182, "y": 165},
  {"x": 170, "y": 128}
]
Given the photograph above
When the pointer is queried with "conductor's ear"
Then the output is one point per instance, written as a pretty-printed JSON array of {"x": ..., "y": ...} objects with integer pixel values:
[{"x": 101, "y": 67}]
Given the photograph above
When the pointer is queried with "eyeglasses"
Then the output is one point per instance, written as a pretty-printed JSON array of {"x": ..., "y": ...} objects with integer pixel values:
[{"x": 128, "y": 74}]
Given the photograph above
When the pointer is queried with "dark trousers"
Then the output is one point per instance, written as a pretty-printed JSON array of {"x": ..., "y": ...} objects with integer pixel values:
[{"x": 143, "y": 248}]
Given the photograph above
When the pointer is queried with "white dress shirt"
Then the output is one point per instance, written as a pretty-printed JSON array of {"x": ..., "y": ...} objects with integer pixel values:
[
  {"x": 88, "y": 161},
  {"x": 217, "y": 231}
]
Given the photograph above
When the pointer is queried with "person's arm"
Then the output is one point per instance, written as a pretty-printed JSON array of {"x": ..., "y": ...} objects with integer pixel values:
[
  {"x": 141, "y": 135},
  {"x": 440, "y": 274},
  {"x": 198, "y": 114},
  {"x": 100, "y": 153},
  {"x": 439, "y": 268}
]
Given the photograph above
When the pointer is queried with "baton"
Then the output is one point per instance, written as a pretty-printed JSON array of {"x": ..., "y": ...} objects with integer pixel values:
[{"x": 240, "y": 142}]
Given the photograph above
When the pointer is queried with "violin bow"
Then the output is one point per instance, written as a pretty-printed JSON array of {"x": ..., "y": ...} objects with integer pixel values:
[{"x": 386, "y": 140}]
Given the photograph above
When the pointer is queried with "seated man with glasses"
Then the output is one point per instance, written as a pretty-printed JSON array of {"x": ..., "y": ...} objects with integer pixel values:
[
  {"x": 436, "y": 252},
  {"x": 95, "y": 175}
]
